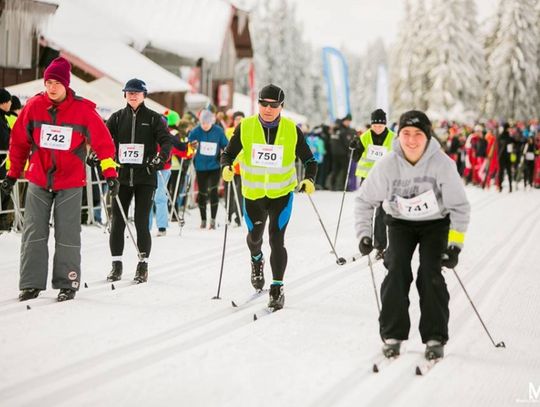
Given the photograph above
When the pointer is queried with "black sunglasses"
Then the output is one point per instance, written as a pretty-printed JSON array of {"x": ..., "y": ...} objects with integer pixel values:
[{"x": 273, "y": 105}]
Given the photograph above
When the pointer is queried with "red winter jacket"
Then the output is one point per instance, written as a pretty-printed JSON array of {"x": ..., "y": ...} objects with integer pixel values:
[{"x": 57, "y": 169}]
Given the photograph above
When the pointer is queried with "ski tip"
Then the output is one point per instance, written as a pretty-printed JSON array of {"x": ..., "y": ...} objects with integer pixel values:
[
  {"x": 28, "y": 307},
  {"x": 85, "y": 285},
  {"x": 254, "y": 317},
  {"x": 234, "y": 304},
  {"x": 375, "y": 368},
  {"x": 418, "y": 371},
  {"x": 113, "y": 287}
]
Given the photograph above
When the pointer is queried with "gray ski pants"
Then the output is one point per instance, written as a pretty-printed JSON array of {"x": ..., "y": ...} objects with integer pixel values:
[{"x": 67, "y": 235}]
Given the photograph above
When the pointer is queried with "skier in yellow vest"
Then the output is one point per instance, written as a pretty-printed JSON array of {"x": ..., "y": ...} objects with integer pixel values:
[
  {"x": 270, "y": 143},
  {"x": 367, "y": 149}
]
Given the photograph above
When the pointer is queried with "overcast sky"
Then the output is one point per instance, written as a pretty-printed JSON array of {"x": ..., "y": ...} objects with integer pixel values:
[{"x": 354, "y": 23}]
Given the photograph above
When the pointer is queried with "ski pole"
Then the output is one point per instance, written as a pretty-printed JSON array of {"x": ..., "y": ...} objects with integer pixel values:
[
  {"x": 224, "y": 243},
  {"x": 169, "y": 197},
  {"x": 498, "y": 345},
  {"x": 370, "y": 264},
  {"x": 177, "y": 184},
  {"x": 186, "y": 188},
  {"x": 139, "y": 254},
  {"x": 238, "y": 212},
  {"x": 343, "y": 196},
  {"x": 18, "y": 214},
  {"x": 339, "y": 260},
  {"x": 103, "y": 201}
]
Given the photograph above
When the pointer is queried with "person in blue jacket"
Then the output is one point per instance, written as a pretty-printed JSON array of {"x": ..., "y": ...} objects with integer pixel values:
[{"x": 209, "y": 140}]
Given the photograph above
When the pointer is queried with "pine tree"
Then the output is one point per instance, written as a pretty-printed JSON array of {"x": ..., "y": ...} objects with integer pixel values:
[
  {"x": 401, "y": 68},
  {"x": 282, "y": 57},
  {"x": 419, "y": 55},
  {"x": 512, "y": 90},
  {"x": 364, "y": 75},
  {"x": 455, "y": 62}
]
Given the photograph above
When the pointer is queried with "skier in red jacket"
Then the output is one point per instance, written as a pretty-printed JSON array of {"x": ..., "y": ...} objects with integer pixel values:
[{"x": 52, "y": 132}]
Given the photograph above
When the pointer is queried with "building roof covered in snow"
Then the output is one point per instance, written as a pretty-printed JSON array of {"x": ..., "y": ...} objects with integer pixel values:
[
  {"x": 188, "y": 28},
  {"x": 117, "y": 61}
]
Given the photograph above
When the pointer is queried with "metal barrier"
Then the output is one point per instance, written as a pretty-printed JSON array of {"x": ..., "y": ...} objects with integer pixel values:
[{"x": 19, "y": 194}]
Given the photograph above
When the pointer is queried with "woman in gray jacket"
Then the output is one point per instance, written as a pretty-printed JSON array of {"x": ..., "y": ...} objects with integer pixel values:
[{"x": 426, "y": 206}]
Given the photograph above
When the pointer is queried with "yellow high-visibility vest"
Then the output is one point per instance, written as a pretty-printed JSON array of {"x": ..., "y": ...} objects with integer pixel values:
[
  {"x": 365, "y": 164},
  {"x": 275, "y": 181}
]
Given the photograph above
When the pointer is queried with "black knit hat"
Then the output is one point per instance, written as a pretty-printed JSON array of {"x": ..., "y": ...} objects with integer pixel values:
[
  {"x": 415, "y": 118},
  {"x": 347, "y": 117},
  {"x": 15, "y": 103},
  {"x": 238, "y": 114},
  {"x": 272, "y": 92},
  {"x": 378, "y": 117},
  {"x": 5, "y": 96}
]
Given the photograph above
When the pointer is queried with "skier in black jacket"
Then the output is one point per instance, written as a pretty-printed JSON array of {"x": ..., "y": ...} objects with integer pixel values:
[
  {"x": 137, "y": 132},
  {"x": 506, "y": 149},
  {"x": 340, "y": 141}
]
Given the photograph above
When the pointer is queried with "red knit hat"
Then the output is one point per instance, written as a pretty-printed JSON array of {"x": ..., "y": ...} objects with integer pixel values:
[{"x": 58, "y": 70}]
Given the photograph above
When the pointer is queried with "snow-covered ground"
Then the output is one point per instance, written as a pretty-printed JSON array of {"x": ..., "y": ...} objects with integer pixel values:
[{"x": 167, "y": 343}]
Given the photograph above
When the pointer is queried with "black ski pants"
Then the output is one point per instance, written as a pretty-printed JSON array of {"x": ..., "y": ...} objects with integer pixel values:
[
  {"x": 380, "y": 240},
  {"x": 208, "y": 185},
  {"x": 279, "y": 211},
  {"x": 404, "y": 237},
  {"x": 339, "y": 172},
  {"x": 144, "y": 197},
  {"x": 505, "y": 166}
]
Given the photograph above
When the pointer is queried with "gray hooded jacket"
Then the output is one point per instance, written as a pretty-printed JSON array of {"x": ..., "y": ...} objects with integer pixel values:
[{"x": 393, "y": 177}]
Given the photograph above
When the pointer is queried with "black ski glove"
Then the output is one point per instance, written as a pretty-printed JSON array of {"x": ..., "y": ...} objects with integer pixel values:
[
  {"x": 7, "y": 185},
  {"x": 365, "y": 246},
  {"x": 92, "y": 160},
  {"x": 155, "y": 164},
  {"x": 450, "y": 257},
  {"x": 355, "y": 143},
  {"x": 114, "y": 186}
]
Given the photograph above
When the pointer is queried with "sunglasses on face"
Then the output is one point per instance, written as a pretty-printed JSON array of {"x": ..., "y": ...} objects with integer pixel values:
[{"x": 273, "y": 105}]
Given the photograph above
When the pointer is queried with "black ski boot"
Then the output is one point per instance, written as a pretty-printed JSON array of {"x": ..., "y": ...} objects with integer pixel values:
[
  {"x": 257, "y": 274},
  {"x": 28, "y": 294},
  {"x": 391, "y": 348},
  {"x": 141, "y": 275},
  {"x": 116, "y": 272},
  {"x": 277, "y": 297},
  {"x": 434, "y": 350},
  {"x": 66, "y": 294}
]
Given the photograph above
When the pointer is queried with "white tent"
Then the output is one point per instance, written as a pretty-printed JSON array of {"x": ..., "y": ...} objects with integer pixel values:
[{"x": 106, "y": 102}]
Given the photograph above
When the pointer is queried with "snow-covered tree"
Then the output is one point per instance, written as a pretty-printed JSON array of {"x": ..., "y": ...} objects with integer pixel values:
[
  {"x": 455, "y": 61},
  {"x": 241, "y": 76},
  {"x": 512, "y": 90},
  {"x": 364, "y": 74},
  {"x": 281, "y": 56},
  {"x": 401, "y": 68},
  {"x": 419, "y": 54}
]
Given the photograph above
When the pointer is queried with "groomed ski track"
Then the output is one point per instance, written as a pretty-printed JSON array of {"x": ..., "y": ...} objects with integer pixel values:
[{"x": 166, "y": 342}]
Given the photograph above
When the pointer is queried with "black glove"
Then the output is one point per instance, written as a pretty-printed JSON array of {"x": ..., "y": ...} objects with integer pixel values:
[
  {"x": 155, "y": 164},
  {"x": 355, "y": 143},
  {"x": 450, "y": 257},
  {"x": 7, "y": 185},
  {"x": 365, "y": 246},
  {"x": 114, "y": 186},
  {"x": 92, "y": 160}
]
